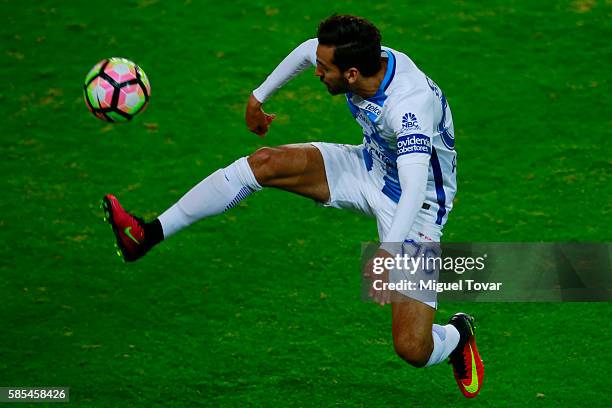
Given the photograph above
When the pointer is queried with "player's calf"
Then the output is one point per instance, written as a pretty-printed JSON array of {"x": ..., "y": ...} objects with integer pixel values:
[
  {"x": 412, "y": 348},
  {"x": 416, "y": 339},
  {"x": 217, "y": 193}
]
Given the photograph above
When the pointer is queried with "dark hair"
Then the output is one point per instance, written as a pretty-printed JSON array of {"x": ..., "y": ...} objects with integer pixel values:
[{"x": 356, "y": 42}]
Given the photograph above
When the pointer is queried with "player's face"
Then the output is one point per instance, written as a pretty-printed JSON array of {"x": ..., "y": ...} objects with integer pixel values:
[{"x": 329, "y": 73}]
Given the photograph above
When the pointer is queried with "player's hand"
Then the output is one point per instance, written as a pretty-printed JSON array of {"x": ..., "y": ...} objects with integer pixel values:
[
  {"x": 257, "y": 120},
  {"x": 382, "y": 297}
]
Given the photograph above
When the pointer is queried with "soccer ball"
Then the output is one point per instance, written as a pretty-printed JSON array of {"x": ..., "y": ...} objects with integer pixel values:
[{"x": 116, "y": 90}]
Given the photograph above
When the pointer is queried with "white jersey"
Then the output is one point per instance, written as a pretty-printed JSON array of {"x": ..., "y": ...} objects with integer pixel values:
[{"x": 409, "y": 115}]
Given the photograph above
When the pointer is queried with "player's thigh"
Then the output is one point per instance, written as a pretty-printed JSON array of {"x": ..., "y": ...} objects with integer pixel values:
[
  {"x": 412, "y": 322},
  {"x": 298, "y": 168},
  {"x": 348, "y": 178}
]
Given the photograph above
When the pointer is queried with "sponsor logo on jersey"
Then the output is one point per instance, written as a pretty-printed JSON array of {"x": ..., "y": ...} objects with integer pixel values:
[
  {"x": 413, "y": 144},
  {"x": 366, "y": 124},
  {"x": 375, "y": 109},
  {"x": 380, "y": 155},
  {"x": 410, "y": 122}
]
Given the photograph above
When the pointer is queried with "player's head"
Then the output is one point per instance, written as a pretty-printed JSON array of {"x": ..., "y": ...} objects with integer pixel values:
[{"x": 349, "y": 47}]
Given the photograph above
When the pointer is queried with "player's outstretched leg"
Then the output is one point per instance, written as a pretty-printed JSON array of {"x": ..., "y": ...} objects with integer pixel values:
[
  {"x": 295, "y": 168},
  {"x": 467, "y": 364}
]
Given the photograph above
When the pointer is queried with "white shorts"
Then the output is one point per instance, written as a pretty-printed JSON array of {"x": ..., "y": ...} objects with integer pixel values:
[{"x": 353, "y": 187}]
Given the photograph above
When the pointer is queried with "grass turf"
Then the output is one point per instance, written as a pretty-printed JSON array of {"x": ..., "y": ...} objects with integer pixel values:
[{"x": 260, "y": 306}]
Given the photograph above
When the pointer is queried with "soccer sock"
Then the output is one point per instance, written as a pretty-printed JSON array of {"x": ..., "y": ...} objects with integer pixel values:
[
  {"x": 445, "y": 339},
  {"x": 217, "y": 193},
  {"x": 153, "y": 233}
]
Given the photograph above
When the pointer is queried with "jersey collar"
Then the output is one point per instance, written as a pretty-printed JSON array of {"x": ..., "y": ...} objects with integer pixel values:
[{"x": 390, "y": 72}]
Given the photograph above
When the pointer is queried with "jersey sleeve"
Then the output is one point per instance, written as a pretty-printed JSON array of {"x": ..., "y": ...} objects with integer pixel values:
[
  {"x": 304, "y": 56},
  {"x": 413, "y": 179},
  {"x": 411, "y": 120}
]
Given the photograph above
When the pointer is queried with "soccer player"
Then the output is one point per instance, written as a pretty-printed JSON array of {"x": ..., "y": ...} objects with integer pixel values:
[{"x": 403, "y": 174}]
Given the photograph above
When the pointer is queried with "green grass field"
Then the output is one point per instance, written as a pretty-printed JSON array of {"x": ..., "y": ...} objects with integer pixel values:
[{"x": 261, "y": 306}]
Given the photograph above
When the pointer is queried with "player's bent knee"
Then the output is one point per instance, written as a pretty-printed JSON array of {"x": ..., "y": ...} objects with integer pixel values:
[
  {"x": 261, "y": 164},
  {"x": 412, "y": 350},
  {"x": 267, "y": 164}
]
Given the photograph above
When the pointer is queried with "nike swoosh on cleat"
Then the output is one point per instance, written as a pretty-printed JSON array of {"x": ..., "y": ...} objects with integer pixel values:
[
  {"x": 129, "y": 234},
  {"x": 473, "y": 386}
]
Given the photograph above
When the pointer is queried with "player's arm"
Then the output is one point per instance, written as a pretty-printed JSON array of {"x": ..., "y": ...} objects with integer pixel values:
[
  {"x": 413, "y": 181},
  {"x": 304, "y": 56},
  {"x": 409, "y": 119},
  {"x": 412, "y": 123}
]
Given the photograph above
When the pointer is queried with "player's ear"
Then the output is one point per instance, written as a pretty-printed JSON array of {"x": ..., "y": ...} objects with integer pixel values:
[{"x": 351, "y": 75}]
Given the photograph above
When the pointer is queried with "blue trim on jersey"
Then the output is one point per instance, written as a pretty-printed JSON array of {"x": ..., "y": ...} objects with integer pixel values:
[
  {"x": 442, "y": 129},
  {"x": 390, "y": 74},
  {"x": 379, "y": 98},
  {"x": 392, "y": 189},
  {"x": 352, "y": 107},
  {"x": 440, "y": 194},
  {"x": 446, "y": 138},
  {"x": 367, "y": 159},
  {"x": 443, "y": 120},
  {"x": 371, "y": 116}
]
